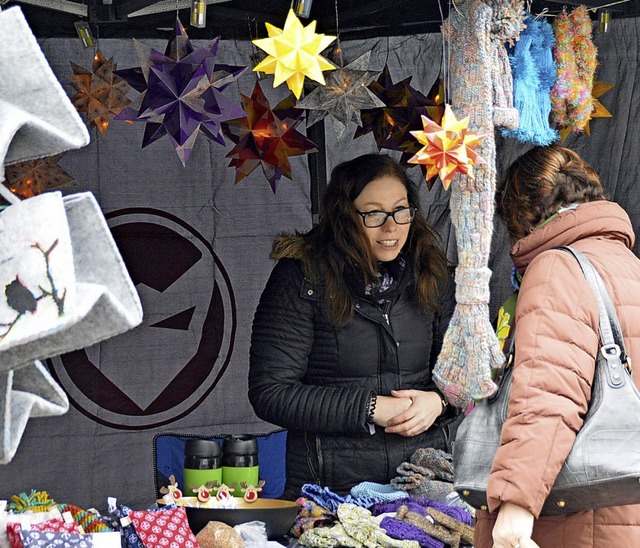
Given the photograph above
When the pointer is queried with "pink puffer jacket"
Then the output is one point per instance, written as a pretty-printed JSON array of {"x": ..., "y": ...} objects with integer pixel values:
[{"x": 556, "y": 344}]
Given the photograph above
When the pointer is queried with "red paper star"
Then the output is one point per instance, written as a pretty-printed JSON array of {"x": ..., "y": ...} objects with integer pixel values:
[
  {"x": 100, "y": 93},
  {"x": 448, "y": 148},
  {"x": 266, "y": 137},
  {"x": 33, "y": 177}
]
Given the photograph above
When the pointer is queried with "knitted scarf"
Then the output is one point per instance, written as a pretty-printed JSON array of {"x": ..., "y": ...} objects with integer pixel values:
[
  {"x": 534, "y": 73},
  {"x": 477, "y": 31}
]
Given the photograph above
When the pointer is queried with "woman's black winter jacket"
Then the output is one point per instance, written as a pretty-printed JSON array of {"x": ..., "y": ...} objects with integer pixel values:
[{"x": 314, "y": 379}]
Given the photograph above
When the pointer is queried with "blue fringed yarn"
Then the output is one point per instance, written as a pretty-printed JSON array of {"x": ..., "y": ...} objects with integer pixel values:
[{"x": 534, "y": 73}]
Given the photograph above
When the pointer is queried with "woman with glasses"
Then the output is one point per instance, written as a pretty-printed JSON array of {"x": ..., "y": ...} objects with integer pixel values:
[{"x": 348, "y": 329}]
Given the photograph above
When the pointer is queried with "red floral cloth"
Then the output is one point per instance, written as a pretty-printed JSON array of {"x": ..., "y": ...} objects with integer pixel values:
[{"x": 164, "y": 528}]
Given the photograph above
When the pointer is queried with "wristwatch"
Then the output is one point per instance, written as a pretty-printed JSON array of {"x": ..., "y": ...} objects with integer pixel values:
[{"x": 444, "y": 404}]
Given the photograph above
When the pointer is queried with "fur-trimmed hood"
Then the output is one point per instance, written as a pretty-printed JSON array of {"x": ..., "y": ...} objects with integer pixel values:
[{"x": 288, "y": 246}]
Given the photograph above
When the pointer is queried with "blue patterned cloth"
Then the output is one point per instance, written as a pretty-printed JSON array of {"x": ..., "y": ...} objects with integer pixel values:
[{"x": 43, "y": 539}]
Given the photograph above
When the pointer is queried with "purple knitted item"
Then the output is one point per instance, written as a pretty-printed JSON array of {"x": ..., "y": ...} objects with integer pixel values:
[
  {"x": 400, "y": 530},
  {"x": 391, "y": 507},
  {"x": 420, "y": 505}
]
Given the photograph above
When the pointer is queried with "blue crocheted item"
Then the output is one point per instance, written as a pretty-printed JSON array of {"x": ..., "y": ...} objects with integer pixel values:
[
  {"x": 534, "y": 72},
  {"x": 378, "y": 492},
  {"x": 323, "y": 496}
]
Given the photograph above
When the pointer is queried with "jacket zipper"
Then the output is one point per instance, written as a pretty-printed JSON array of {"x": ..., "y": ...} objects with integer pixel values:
[{"x": 385, "y": 312}]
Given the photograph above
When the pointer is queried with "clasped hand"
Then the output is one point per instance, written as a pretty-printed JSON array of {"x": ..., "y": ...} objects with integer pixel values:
[{"x": 407, "y": 412}]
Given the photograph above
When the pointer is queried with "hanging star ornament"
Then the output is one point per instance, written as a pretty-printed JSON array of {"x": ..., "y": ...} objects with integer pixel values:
[
  {"x": 293, "y": 52},
  {"x": 100, "y": 93},
  {"x": 447, "y": 148},
  {"x": 266, "y": 137},
  {"x": 181, "y": 93},
  {"x": 391, "y": 125},
  {"x": 344, "y": 96},
  {"x": 599, "y": 110},
  {"x": 435, "y": 112},
  {"x": 33, "y": 177}
]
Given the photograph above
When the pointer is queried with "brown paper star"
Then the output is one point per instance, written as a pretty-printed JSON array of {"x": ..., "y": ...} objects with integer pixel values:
[
  {"x": 33, "y": 177},
  {"x": 101, "y": 94}
]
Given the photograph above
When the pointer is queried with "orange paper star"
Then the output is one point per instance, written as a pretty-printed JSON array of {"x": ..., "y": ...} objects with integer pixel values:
[
  {"x": 447, "y": 148},
  {"x": 33, "y": 177},
  {"x": 100, "y": 93}
]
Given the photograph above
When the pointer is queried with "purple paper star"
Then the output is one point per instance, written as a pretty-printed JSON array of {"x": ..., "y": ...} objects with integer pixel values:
[{"x": 181, "y": 93}]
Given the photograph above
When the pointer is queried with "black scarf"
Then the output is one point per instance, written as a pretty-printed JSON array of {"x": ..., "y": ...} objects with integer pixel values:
[{"x": 390, "y": 274}]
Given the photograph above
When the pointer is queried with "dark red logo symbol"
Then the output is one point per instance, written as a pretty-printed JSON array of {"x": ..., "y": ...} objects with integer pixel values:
[{"x": 163, "y": 369}]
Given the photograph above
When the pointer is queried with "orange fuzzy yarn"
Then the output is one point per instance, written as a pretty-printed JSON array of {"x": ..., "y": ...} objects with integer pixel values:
[{"x": 575, "y": 55}]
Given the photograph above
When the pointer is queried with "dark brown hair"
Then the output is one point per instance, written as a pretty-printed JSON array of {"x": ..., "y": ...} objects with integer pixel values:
[
  {"x": 339, "y": 236},
  {"x": 542, "y": 181}
]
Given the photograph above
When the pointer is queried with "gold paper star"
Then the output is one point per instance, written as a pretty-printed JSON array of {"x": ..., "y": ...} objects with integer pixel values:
[
  {"x": 293, "y": 53},
  {"x": 33, "y": 177},
  {"x": 100, "y": 93},
  {"x": 599, "y": 110},
  {"x": 447, "y": 148}
]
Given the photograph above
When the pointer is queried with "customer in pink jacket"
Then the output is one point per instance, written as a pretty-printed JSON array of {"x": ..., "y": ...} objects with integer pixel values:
[{"x": 552, "y": 197}]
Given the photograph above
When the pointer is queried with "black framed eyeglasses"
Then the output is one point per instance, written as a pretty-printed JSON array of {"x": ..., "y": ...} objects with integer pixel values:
[{"x": 374, "y": 219}]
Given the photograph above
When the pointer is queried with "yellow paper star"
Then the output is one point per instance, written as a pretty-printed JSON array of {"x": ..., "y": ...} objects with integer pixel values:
[
  {"x": 599, "y": 110},
  {"x": 293, "y": 53},
  {"x": 447, "y": 148}
]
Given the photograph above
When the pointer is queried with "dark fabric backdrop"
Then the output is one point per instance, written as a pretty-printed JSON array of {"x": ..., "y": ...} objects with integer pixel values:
[{"x": 197, "y": 247}]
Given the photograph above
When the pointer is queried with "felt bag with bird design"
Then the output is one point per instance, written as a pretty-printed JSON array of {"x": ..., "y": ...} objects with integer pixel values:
[{"x": 63, "y": 284}]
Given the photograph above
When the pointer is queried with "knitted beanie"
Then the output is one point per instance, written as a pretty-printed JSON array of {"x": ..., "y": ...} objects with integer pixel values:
[
  {"x": 362, "y": 526},
  {"x": 399, "y": 529},
  {"x": 428, "y": 526},
  {"x": 420, "y": 505},
  {"x": 377, "y": 492},
  {"x": 534, "y": 74}
]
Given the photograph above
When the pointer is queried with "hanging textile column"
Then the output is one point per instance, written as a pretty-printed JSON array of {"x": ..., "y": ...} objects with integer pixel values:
[{"x": 481, "y": 88}]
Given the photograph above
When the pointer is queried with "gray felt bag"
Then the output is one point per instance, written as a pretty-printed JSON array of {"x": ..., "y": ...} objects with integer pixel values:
[
  {"x": 63, "y": 284},
  {"x": 603, "y": 467}
]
